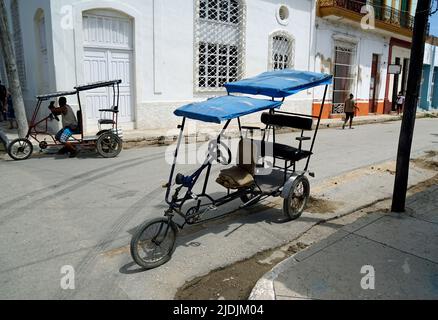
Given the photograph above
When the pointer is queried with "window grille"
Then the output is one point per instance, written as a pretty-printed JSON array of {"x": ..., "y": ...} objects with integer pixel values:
[
  {"x": 219, "y": 43},
  {"x": 282, "y": 52},
  {"x": 343, "y": 75}
]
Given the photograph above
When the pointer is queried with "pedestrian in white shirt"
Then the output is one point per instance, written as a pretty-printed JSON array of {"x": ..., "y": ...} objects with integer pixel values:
[{"x": 400, "y": 102}]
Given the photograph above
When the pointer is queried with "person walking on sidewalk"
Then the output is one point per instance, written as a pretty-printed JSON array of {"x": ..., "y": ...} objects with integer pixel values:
[
  {"x": 400, "y": 102},
  {"x": 350, "y": 108}
]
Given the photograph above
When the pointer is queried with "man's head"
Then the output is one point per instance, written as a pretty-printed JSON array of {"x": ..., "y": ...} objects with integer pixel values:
[
  {"x": 351, "y": 96},
  {"x": 62, "y": 101}
]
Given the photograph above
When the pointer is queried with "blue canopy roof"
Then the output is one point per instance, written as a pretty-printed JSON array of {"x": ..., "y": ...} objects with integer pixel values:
[
  {"x": 225, "y": 108},
  {"x": 279, "y": 84}
]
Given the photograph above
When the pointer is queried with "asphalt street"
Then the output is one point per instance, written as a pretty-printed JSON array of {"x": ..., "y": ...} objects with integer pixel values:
[{"x": 81, "y": 212}]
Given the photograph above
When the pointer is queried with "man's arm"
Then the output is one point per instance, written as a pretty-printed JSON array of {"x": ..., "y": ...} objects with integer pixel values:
[
  {"x": 355, "y": 106},
  {"x": 58, "y": 111}
]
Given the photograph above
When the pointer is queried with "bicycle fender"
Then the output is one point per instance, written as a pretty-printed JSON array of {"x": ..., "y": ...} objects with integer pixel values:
[{"x": 289, "y": 184}]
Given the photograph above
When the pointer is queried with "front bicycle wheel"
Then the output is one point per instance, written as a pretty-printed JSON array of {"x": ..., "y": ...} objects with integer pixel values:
[
  {"x": 154, "y": 243},
  {"x": 20, "y": 149}
]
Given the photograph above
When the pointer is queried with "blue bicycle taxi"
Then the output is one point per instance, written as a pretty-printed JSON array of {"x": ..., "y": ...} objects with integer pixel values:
[{"x": 251, "y": 179}]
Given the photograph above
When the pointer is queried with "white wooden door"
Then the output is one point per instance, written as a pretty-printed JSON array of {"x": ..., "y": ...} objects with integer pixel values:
[
  {"x": 120, "y": 68},
  {"x": 108, "y": 56}
]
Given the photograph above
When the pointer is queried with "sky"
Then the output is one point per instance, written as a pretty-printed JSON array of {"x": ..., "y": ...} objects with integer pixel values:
[{"x": 434, "y": 24}]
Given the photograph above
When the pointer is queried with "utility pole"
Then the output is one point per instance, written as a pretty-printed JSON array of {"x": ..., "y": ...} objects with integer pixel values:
[
  {"x": 409, "y": 114},
  {"x": 12, "y": 72}
]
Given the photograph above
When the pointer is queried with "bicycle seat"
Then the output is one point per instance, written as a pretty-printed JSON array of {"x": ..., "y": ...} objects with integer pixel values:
[{"x": 241, "y": 175}]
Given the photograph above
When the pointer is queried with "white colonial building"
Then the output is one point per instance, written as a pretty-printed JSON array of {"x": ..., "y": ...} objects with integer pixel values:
[
  {"x": 358, "y": 51},
  {"x": 167, "y": 52},
  {"x": 429, "y": 81},
  {"x": 172, "y": 52}
]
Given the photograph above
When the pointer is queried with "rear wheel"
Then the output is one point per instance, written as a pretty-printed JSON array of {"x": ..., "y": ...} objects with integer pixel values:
[
  {"x": 296, "y": 201},
  {"x": 154, "y": 243},
  {"x": 20, "y": 149},
  {"x": 109, "y": 145}
]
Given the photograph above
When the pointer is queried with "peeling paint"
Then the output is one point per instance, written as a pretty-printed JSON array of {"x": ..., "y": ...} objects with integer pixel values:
[{"x": 326, "y": 64}]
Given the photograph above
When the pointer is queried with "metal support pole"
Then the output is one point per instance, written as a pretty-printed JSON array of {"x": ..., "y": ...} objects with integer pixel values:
[
  {"x": 317, "y": 127},
  {"x": 172, "y": 171},
  {"x": 409, "y": 114}
]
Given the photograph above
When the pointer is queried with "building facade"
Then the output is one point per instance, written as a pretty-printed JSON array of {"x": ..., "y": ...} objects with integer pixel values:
[
  {"x": 172, "y": 52},
  {"x": 429, "y": 83},
  {"x": 167, "y": 52},
  {"x": 358, "y": 41}
]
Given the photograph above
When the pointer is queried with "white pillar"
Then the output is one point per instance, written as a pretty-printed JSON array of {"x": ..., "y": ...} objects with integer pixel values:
[{"x": 158, "y": 61}]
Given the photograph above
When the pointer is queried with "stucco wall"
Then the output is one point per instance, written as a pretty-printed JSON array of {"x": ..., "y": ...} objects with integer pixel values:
[
  {"x": 367, "y": 44},
  {"x": 28, "y": 11},
  {"x": 163, "y": 50}
]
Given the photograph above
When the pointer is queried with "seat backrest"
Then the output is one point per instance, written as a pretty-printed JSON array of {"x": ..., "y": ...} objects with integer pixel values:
[
  {"x": 247, "y": 155},
  {"x": 289, "y": 121},
  {"x": 80, "y": 124}
]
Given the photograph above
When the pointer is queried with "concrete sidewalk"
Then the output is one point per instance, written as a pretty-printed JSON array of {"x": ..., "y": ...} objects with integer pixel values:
[
  {"x": 397, "y": 254},
  {"x": 153, "y": 137},
  {"x": 139, "y": 138}
]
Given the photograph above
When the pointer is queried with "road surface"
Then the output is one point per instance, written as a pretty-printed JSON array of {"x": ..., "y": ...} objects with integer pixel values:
[{"x": 57, "y": 212}]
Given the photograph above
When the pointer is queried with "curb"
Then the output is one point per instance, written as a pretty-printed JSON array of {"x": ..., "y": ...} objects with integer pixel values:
[
  {"x": 160, "y": 140},
  {"x": 264, "y": 288},
  {"x": 233, "y": 133}
]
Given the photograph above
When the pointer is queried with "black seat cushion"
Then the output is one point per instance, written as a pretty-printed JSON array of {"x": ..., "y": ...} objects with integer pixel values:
[
  {"x": 106, "y": 121},
  {"x": 289, "y": 121},
  {"x": 284, "y": 152},
  {"x": 79, "y": 129}
]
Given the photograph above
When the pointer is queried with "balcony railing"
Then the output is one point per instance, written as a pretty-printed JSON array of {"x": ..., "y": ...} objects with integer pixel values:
[{"x": 382, "y": 13}]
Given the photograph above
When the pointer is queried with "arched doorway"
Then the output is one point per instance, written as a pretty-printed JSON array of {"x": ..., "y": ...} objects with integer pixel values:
[{"x": 108, "y": 54}]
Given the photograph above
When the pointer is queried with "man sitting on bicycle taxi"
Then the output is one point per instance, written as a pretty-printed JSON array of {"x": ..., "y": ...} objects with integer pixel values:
[{"x": 69, "y": 126}]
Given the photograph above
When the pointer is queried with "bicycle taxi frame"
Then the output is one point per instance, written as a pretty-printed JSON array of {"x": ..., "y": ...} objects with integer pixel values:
[
  {"x": 107, "y": 141},
  {"x": 154, "y": 243}
]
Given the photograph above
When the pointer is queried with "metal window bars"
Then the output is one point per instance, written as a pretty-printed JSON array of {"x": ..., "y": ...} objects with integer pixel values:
[
  {"x": 219, "y": 43},
  {"x": 282, "y": 52},
  {"x": 383, "y": 13}
]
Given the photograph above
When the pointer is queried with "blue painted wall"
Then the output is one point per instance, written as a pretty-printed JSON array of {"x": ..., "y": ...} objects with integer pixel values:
[
  {"x": 434, "y": 104},
  {"x": 424, "y": 104}
]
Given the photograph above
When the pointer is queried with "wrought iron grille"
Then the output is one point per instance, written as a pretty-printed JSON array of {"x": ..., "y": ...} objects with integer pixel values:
[
  {"x": 344, "y": 76},
  {"x": 282, "y": 51},
  {"x": 338, "y": 108},
  {"x": 219, "y": 43},
  {"x": 382, "y": 12}
]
